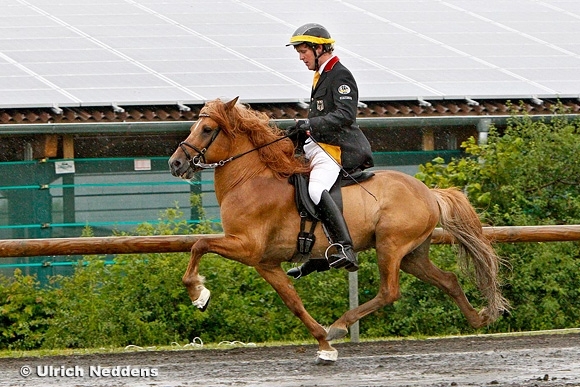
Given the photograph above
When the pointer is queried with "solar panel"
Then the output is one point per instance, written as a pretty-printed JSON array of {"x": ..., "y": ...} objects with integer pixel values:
[{"x": 89, "y": 52}]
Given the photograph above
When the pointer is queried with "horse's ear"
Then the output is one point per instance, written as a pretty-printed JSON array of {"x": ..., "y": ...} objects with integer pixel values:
[{"x": 232, "y": 103}]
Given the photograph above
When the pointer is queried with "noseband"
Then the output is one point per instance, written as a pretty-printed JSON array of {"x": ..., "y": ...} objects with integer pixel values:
[{"x": 198, "y": 161}]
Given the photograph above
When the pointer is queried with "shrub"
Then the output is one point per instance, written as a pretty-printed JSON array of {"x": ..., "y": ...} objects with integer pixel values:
[{"x": 25, "y": 312}]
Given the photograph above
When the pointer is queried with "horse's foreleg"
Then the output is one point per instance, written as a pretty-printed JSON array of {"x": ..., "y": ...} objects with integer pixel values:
[
  {"x": 418, "y": 264},
  {"x": 193, "y": 282},
  {"x": 278, "y": 279}
]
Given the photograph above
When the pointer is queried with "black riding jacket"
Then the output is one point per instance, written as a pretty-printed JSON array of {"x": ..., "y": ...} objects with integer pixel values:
[{"x": 332, "y": 115}]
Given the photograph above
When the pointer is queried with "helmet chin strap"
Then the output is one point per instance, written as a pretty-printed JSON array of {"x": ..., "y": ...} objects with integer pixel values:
[{"x": 316, "y": 56}]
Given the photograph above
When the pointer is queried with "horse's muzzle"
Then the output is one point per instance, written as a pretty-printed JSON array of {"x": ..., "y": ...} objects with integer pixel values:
[{"x": 180, "y": 167}]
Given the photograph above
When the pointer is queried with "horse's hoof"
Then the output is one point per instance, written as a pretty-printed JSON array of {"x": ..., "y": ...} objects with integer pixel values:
[
  {"x": 203, "y": 300},
  {"x": 336, "y": 333},
  {"x": 484, "y": 319},
  {"x": 327, "y": 357}
]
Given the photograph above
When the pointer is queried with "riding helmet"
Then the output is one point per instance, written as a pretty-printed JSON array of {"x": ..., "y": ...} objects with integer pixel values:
[{"x": 312, "y": 34}]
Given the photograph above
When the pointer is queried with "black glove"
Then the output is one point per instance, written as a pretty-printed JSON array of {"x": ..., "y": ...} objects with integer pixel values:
[
  {"x": 300, "y": 128},
  {"x": 302, "y": 125}
]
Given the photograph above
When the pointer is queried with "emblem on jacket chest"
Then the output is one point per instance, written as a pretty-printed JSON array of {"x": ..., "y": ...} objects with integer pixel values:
[{"x": 320, "y": 105}]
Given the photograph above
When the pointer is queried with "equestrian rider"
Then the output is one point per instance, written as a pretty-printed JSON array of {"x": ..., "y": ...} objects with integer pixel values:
[{"x": 331, "y": 140}]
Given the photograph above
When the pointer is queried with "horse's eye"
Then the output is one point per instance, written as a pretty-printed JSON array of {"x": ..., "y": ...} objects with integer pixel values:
[{"x": 207, "y": 129}]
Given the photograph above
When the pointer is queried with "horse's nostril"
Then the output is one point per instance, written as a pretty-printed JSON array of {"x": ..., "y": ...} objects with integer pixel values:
[{"x": 177, "y": 163}]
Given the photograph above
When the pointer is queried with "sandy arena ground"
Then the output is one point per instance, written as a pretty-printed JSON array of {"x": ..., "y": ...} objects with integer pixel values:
[{"x": 544, "y": 360}]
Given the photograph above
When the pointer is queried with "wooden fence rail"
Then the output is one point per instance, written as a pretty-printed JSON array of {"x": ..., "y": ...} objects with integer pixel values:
[{"x": 182, "y": 243}]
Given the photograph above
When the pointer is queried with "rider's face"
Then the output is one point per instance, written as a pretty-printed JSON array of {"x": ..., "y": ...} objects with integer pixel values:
[{"x": 306, "y": 55}]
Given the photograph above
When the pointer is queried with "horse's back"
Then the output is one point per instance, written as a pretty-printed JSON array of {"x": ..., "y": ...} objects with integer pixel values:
[
  {"x": 391, "y": 188},
  {"x": 400, "y": 205}
]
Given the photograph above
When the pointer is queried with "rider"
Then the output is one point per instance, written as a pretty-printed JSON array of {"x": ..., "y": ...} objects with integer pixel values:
[{"x": 331, "y": 139}]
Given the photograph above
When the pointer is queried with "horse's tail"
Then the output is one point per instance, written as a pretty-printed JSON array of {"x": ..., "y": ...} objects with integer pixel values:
[{"x": 458, "y": 217}]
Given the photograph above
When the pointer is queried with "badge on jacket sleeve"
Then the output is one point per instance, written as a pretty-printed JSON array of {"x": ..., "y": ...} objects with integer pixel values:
[
  {"x": 320, "y": 105},
  {"x": 344, "y": 89}
]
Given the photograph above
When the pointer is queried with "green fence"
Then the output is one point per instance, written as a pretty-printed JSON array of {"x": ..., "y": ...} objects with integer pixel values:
[{"x": 57, "y": 198}]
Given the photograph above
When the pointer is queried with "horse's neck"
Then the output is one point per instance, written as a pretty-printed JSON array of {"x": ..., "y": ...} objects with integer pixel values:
[{"x": 237, "y": 173}]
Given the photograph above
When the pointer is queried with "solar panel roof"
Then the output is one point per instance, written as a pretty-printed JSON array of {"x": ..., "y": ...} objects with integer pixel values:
[{"x": 103, "y": 52}]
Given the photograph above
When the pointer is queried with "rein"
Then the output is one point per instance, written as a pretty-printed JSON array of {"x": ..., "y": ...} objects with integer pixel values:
[{"x": 198, "y": 161}]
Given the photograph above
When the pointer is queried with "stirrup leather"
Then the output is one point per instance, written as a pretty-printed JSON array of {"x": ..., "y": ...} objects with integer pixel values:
[{"x": 306, "y": 239}]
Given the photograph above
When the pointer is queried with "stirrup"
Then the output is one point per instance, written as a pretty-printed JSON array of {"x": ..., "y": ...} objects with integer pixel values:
[{"x": 341, "y": 259}]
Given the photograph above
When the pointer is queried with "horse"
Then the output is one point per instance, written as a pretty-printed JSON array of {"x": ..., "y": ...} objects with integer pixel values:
[{"x": 252, "y": 161}]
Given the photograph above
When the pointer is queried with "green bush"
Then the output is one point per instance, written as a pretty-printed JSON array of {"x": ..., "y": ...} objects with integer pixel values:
[
  {"x": 25, "y": 312},
  {"x": 137, "y": 300},
  {"x": 542, "y": 286}
]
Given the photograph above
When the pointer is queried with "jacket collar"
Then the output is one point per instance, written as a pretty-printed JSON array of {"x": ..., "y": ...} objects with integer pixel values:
[{"x": 330, "y": 64}]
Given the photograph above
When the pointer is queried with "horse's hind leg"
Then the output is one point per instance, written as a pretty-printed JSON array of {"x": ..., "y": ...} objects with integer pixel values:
[
  {"x": 278, "y": 279},
  {"x": 418, "y": 264},
  {"x": 389, "y": 263}
]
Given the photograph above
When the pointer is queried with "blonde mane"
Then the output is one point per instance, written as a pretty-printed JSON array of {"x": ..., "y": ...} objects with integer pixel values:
[{"x": 241, "y": 120}]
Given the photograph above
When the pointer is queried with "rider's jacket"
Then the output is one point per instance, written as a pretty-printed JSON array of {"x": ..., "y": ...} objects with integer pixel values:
[{"x": 332, "y": 115}]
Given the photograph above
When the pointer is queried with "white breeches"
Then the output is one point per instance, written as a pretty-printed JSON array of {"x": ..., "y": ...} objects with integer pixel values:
[{"x": 324, "y": 170}]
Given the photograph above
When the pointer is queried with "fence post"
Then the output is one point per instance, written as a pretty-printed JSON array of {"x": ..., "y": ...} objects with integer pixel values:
[{"x": 353, "y": 303}]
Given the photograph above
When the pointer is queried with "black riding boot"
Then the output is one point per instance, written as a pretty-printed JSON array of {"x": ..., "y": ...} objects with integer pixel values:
[
  {"x": 332, "y": 218},
  {"x": 308, "y": 267}
]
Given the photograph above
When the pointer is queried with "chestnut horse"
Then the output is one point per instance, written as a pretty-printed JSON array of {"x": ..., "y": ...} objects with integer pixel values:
[{"x": 252, "y": 161}]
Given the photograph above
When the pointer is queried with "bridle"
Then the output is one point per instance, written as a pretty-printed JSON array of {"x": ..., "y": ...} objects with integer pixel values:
[{"x": 198, "y": 161}]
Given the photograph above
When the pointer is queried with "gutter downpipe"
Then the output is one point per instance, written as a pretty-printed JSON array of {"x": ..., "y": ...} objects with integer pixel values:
[{"x": 482, "y": 130}]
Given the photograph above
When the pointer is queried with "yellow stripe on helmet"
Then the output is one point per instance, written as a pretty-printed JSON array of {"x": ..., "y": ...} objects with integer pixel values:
[{"x": 311, "y": 39}]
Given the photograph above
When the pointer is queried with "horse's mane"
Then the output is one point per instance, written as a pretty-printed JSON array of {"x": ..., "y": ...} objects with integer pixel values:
[{"x": 242, "y": 120}]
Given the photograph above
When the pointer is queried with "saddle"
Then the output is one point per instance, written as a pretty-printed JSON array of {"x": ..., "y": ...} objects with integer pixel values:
[{"x": 307, "y": 209}]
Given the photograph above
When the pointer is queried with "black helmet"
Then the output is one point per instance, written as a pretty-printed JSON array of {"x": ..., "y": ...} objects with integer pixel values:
[{"x": 312, "y": 34}]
